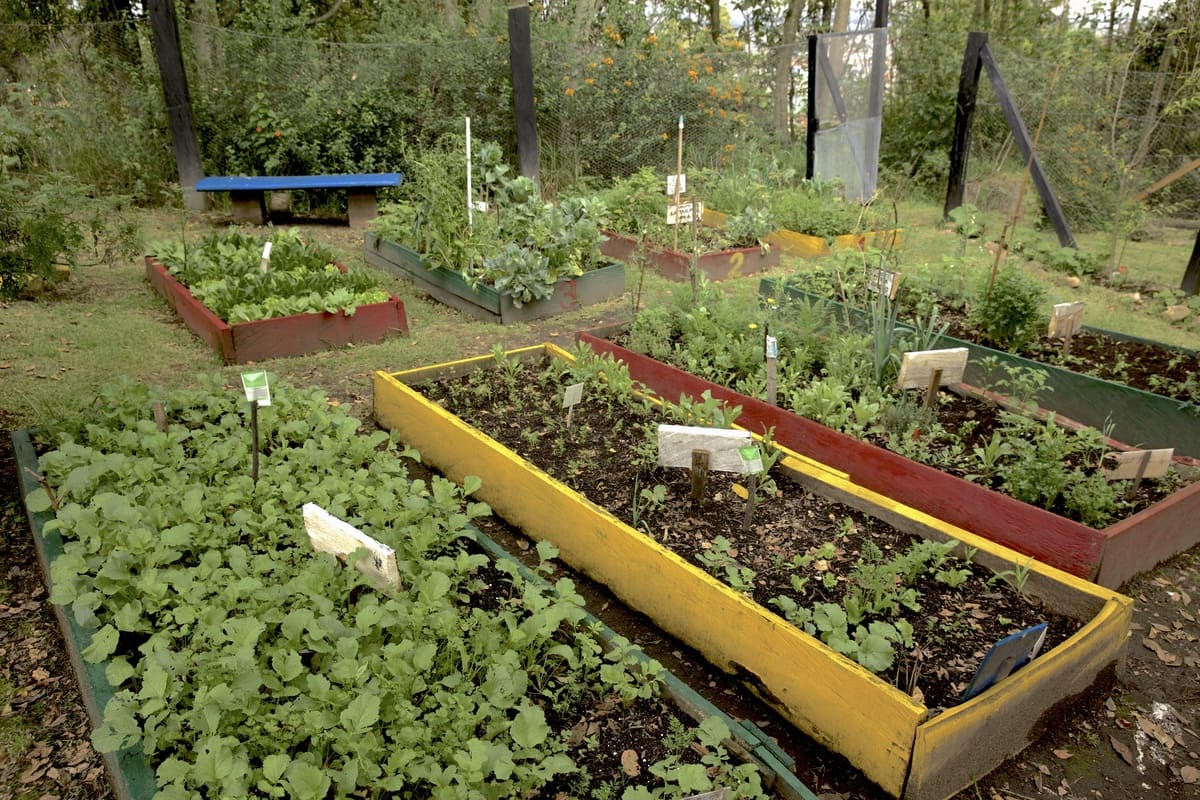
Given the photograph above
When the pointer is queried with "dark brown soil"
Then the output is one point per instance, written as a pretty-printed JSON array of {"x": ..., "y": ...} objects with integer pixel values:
[
  {"x": 952, "y": 627},
  {"x": 1142, "y": 365}
]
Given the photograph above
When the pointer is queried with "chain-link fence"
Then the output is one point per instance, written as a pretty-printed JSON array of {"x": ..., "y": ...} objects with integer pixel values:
[{"x": 87, "y": 99}]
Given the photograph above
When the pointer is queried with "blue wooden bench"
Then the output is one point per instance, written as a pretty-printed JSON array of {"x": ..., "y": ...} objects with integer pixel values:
[{"x": 248, "y": 193}]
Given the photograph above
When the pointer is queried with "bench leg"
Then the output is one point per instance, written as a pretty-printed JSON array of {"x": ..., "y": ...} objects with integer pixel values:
[
  {"x": 248, "y": 207},
  {"x": 361, "y": 205}
]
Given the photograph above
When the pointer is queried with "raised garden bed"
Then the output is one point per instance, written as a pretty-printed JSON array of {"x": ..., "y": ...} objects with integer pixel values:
[
  {"x": 716, "y": 265},
  {"x": 902, "y": 745},
  {"x": 804, "y": 245},
  {"x": 1138, "y": 417},
  {"x": 484, "y": 302},
  {"x": 301, "y": 305},
  {"x": 128, "y": 604},
  {"x": 1110, "y": 556}
]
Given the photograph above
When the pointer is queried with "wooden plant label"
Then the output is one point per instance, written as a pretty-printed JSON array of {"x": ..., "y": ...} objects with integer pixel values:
[
  {"x": 1066, "y": 320},
  {"x": 676, "y": 184},
  {"x": 257, "y": 387},
  {"x": 686, "y": 211},
  {"x": 1138, "y": 464},
  {"x": 676, "y": 443},
  {"x": 772, "y": 378},
  {"x": 918, "y": 367},
  {"x": 881, "y": 280},
  {"x": 264, "y": 263},
  {"x": 329, "y": 534}
]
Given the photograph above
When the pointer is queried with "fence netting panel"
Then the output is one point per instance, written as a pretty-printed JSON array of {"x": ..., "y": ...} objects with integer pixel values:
[
  {"x": 1104, "y": 132},
  {"x": 848, "y": 109}
]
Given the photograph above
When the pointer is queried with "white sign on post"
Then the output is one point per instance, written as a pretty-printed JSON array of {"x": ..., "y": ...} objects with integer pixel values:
[
  {"x": 772, "y": 347},
  {"x": 884, "y": 280},
  {"x": 685, "y": 212},
  {"x": 676, "y": 443},
  {"x": 328, "y": 534},
  {"x": 573, "y": 395},
  {"x": 264, "y": 263},
  {"x": 918, "y": 366},
  {"x": 257, "y": 388},
  {"x": 1066, "y": 320},
  {"x": 676, "y": 182}
]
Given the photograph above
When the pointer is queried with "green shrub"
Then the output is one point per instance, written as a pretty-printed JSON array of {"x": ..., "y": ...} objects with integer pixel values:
[{"x": 1010, "y": 313}]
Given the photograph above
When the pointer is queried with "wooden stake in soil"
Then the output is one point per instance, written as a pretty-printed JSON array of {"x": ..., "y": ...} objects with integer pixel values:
[
  {"x": 1139, "y": 464},
  {"x": 678, "y": 180},
  {"x": 328, "y": 534},
  {"x": 772, "y": 348},
  {"x": 753, "y": 465},
  {"x": 160, "y": 415},
  {"x": 1066, "y": 319},
  {"x": 699, "y": 474},
  {"x": 701, "y": 450},
  {"x": 931, "y": 369},
  {"x": 258, "y": 393}
]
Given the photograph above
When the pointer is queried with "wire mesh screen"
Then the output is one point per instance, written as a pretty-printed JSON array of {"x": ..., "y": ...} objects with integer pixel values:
[
  {"x": 606, "y": 111},
  {"x": 1104, "y": 134},
  {"x": 848, "y": 109}
]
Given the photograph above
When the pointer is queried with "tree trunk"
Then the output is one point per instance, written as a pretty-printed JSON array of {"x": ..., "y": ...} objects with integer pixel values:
[
  {"x": 714, "y": 19},
  {"x": 585, "y": 15},
  {"x": 781, "y": 93}
]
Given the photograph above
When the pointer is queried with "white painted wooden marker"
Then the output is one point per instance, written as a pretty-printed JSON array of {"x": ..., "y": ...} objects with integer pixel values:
[
  {"x": 329, "y": 534},
  {"x": 571, "y": 398},
  {"x": 676, "y": 184},
  {"x": 264, "y": 263},
  {"x": 884, "y": 279},
  {"x": 684, "y": 211},
  {"x": 930, "y": 369},
  {"x": 1065, "y": 321},
  {"x": 677, "y": 442}
]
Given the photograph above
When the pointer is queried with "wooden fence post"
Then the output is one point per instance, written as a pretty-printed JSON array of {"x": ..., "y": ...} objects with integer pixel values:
[{"x": 165, "y": 28}]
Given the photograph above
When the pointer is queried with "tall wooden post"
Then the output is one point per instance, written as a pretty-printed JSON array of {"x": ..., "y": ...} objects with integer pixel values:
[
  {"x": 1191, "y": 278},
  {"x": 165, "y": 28},
  {"x": 964, "y": 110},
  {"x": 520, "y": 59}
]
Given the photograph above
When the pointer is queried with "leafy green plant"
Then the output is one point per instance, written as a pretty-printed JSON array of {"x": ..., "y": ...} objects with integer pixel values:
[
  {"x": 242, "y": 661},
  {"x": 1009, "y": 314},
  {"x": 719, "y": 559},
  {"x": 222, "y": 271},
  {"x": 515, "y": 242}
]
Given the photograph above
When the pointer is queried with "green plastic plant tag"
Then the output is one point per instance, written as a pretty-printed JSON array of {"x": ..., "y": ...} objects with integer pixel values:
[
  {"x": 751, "y": 459},
  {"x": 257, "y": 387}
]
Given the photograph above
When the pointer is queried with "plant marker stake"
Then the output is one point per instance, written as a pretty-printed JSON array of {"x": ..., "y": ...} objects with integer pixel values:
[
  {"x": 935, "y": 380},
  {"x": 772, "y": 346},
  {"x": 699, "y": 474},
  {"x": 752, "y": 463},
  {"x": 258, "y": 393},
  {"x": 1065, "y": 321},
  {"x": 264, "y": 263},
  {"x": 678, "y": 183},
  {"x": 254, "y": 436},
  {"x": 751, "y": 490},
  {"x": 160, "y": 415},
  {"x": 571, "y": 398},
  {"x": 1141, "y": 473},
  {"x": 470, "y": 197}
]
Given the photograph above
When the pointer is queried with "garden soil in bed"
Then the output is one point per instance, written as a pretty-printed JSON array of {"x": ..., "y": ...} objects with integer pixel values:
[
  {"x": 1144, "y": 365},
  {"x": 953, "y": 628}
]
